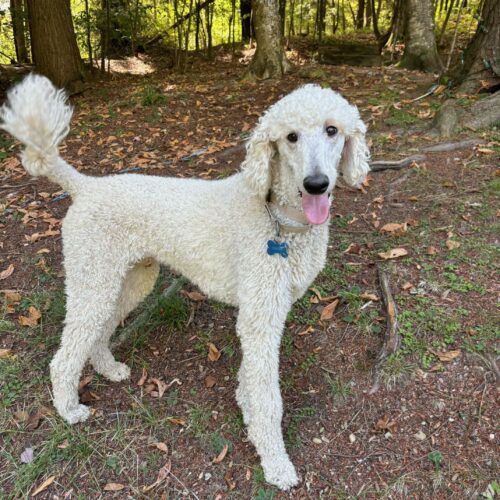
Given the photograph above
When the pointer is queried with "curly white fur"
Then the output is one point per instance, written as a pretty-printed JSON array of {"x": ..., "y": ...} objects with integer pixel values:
[{"x": 119, "y": 228}]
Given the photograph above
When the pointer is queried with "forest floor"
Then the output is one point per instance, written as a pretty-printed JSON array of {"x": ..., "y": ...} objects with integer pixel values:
[{"x": 174, "y": 428}]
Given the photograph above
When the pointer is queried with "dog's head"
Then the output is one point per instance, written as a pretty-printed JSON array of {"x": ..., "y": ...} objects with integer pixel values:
[{"x": 299, "y": 146}]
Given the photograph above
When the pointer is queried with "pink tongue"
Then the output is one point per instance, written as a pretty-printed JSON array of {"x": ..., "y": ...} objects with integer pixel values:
[{"x": 316, "y": 207}]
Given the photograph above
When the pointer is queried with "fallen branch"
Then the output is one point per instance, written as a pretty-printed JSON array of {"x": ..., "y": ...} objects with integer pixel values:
[
  {"x": 145, "y": 315},
  {"x": 453, "y": 146},
  {"x": 392, "y": 339},
  {"x": 379, "y": 165}
]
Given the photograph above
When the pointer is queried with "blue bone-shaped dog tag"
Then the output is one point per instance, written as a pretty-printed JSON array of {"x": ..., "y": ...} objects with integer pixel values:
[{"x": 276, "y": 247}]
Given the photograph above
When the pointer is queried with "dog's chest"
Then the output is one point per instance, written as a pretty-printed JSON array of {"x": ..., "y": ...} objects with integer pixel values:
[{"x": 307, "y": 257}]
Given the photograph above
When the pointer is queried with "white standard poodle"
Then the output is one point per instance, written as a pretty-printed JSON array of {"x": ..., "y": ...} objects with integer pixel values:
[{"x": 255, "y": 240}]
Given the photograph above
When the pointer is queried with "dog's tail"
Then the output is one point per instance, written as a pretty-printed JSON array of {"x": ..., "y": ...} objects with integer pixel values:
[{"x": 38, "y": 115}]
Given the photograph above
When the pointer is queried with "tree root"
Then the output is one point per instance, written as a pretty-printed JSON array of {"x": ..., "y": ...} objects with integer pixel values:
[{"x": 392, "y": 339}]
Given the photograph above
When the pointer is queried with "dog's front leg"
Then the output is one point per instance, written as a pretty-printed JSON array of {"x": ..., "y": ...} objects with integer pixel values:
[{"x": 260, "y": 325}]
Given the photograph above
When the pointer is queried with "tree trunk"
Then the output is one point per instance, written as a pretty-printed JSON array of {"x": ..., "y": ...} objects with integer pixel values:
[
  {"x": 53, "y": 42},
  {"x": 360, "y": 16},
  {"x": 246, "y": 19},
  {"x": 420, "y": 40},
  {"x": 480, "y": 66},
  {"x": 17, "y": 13},
  {"x": 269, "y": 60},
  {"x": 282, "y": 11},
  {"x": 369, "y": 13}
]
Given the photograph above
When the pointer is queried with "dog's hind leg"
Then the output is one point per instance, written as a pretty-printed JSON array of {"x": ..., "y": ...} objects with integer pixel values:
[
  {"x": 138, "y": 283},
  {"x": 93, "y": 286}
]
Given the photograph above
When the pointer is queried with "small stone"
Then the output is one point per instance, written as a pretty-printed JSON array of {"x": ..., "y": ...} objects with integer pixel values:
[
  {"x": 387, "y": 435},
  {"x": 316, "y": 441},
  {"x": 207, "y": 476},
  {"x": 420, "y": 436},
  {"x": 352, "y": 438},
  {"x": 492, "y": 437}
]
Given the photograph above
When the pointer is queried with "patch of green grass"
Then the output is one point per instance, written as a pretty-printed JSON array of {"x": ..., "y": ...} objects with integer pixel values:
[
  {"x": 293, "y": 433},
  {"x": 459, "y": 284},
  {"x": 218, "y": 441},
  {"x": 202, "y": 339},
  {"x": 400, "y": 117},
  {"x": 5, "y": 143},
  {"x": 483, "y": 339},
  {"x": 150, "y": 96},
  {"x": 199, "y": 416},
  {"x": 339, "y": 390},
  {"x": 77, "y": 446},
  {"x": 287, "y": 344},
  {"x": 309, "y": 362},
  {"x": 396, "y": 369},
  {"x": 429, "y": 326},
  {"x": 12, "y": 384}
]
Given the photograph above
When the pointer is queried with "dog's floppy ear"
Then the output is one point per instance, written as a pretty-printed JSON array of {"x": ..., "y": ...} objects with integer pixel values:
[
  {"x": 256, "y": 167},
  {"x": 354, "y": 163}
]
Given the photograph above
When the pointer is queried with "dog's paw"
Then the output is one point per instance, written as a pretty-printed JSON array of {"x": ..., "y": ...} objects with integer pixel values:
[
  {"x": 78, "y": 414},
  {"x": 116, "y": 372},
  {"x": 280, "y": 472}
]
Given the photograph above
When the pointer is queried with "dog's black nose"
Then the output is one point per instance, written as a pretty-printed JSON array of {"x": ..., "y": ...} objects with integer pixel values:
[{"x": 316, "y": 184}]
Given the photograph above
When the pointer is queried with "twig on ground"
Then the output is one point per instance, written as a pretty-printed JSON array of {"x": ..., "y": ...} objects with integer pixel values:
[
  {"x": 392, "y": 339},
  {"x": 144, "y": 316}
]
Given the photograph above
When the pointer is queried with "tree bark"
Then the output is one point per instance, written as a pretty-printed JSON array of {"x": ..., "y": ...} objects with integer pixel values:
[
  {"x": 420, "y": 40},
  {"x": 480, "y": 66},
  {"x": 53, "y": 42},
  {"x": 18, "y": 13},
  {"x": 360, "y": 16},
  {"x": 269, "y": 60}
]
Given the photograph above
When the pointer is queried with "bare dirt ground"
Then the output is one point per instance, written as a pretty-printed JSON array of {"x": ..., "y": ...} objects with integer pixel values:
[{"x": 174, "y": 429}]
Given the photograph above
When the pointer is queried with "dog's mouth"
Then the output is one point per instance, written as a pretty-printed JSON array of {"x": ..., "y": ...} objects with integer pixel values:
[{"x": 316, "y": 207}]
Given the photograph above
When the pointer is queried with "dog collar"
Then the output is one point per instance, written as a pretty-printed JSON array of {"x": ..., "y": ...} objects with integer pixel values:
[{"x": 287, "y": 219}]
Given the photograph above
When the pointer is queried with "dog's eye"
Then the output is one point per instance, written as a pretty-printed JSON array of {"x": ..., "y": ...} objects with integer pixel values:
[
  {"x": 331, "y": 130},
  {"x": 292, "y": 137}
]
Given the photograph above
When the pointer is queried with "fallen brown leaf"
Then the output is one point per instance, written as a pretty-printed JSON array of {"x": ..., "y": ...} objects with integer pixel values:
[
  {"x": 162, "y": 386},
  {"x": 353, "y": 248},
  {"x": 210, "y": 381},
  {"x": 114, "y": 487},
  {"x": 307, "y": 331},
  {"x": 43, "y": 486},
  {"x": 213, "y": 353},
  {"x": 385, "y": 424},
  {"x": 161, "y": 446},
  {"x": 194, "y": 296},
  {"x": 228, "y": 477},
  {"x": 452, "y": 244},
  {"x": 327, "y": 312},
  {"x": 407, "y": 286},
  {"x": 162, "y": 475},
  {"x": 446, "y": 356},
  {"x": 32, "y": 319},
  {"x": 143, "y": 378},
  {"x": 394, "y": 253},
  {"x": 85, "y": 382},
  {"x": 5, "y": 353},
  {"x": 7, "y": 272},
  {"x": 220, "y": 457},
  {"x": 431, "y": 250},
  {"x": 394, "y": 228},
  {"x": 369, "y": 296},
  {"x": 177, "y": 421}
]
